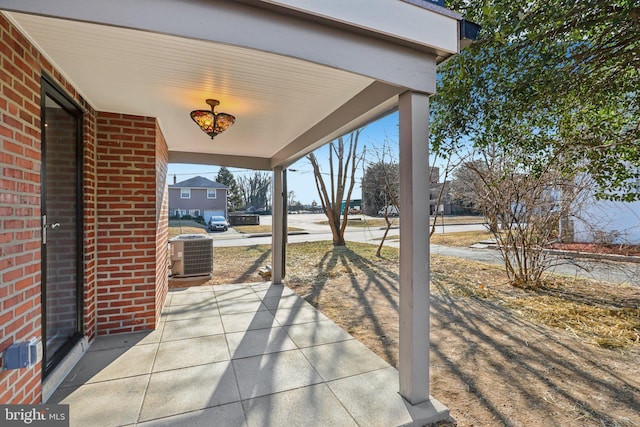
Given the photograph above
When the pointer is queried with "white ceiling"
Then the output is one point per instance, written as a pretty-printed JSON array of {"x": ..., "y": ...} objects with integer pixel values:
[{"x": 274, "y": 98}]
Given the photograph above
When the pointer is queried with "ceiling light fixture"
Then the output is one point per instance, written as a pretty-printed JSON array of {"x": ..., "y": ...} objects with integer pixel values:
[{"x": 210, "y": 122}]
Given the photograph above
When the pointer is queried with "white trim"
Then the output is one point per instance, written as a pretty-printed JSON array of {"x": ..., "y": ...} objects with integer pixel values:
[
  {"x": 414, "y": 248},
  {"x": 277, "y": 237},
  {"x": 60, "y": 372}
]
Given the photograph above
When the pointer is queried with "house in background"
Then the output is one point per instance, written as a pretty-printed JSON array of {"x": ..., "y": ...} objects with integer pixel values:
[
  {"x": 605, "y": 221},
  {"x": 198, "y": 196}
]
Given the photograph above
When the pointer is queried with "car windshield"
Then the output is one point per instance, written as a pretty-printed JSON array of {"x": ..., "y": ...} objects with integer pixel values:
[{"x": 217, "y": 218}]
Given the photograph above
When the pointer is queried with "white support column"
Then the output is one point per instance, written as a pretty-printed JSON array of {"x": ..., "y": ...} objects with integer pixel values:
[
  {"x": 414, "y": 247},
  {"x": 277, "y": 237}
]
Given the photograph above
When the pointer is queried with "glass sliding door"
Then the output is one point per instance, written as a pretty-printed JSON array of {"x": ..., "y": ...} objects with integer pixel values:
[{"x": 61, "y": 224}]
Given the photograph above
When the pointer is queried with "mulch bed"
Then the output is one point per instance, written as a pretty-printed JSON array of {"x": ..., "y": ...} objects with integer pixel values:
[{"x": 598, "y": 248}]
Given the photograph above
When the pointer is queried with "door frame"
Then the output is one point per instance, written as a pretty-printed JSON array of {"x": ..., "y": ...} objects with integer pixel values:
[{"x": 50, "y": 88}]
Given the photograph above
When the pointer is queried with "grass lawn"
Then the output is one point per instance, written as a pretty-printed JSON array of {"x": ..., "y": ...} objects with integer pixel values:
[
  {"x": 259, "y": 229},
  {"x": 183, "y": 226},
  {"x": 564, "y": 355},
  {"x": 179, "y": 226},
  {"x": 359, "y": 221},
  {"x": 460, "y": 239}
]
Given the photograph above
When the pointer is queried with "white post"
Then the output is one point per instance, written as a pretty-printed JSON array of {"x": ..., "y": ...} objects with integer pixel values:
[
  {"x": 277, "y": 236},
  {"x": 414, "y": 247}
]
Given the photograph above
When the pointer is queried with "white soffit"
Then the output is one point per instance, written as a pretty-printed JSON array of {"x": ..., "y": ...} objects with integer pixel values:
[{"x": 274, "y": 98}]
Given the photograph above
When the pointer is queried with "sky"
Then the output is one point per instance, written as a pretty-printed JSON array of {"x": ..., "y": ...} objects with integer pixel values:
[{"x": 300, "y": 174}]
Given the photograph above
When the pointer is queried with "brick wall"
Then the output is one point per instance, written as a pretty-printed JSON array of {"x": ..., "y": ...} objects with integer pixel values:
[
  {"x": 90, "y": 184},
  {"x": 162, "y": 221},
  {"x": 128, "y": 224},
  {"x": 19, "y": 208},
  {"x": 124, "y": 213},
  {"x": 21, "y": 67}
]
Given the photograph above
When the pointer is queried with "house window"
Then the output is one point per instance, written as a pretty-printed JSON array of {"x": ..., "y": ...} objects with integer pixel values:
[
  {"x": 211, "y": 193},
  {"x": 196, "y": 213},
  {"x": 185, "y": 193}
]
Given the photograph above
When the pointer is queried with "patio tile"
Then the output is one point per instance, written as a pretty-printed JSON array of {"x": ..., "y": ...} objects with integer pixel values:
[
  {"x": 107, "y": 403},
  {"x": 342, "y": 359},
  {"x": 192, "y": 328},
  {"x": 191, "y": 289},
  {"x": 191, "y": 352},
  {"x": 291, "y": 316},
  {"x": 289, "y": 301},
  {"x": 189, "y": 389},
  {"x": 109, "y": 364},
  {"x": 373, "y": 400},
  {"x": 247, "y": 321},
  {"x": 195, "y": 299},
  {"x": 234, "y": 294},
  {"x": 230, "y": 414},
  {"x": 240, "y": 306},
  {"x": 258, "y": 341},
  {"x": 272, "y": 373},
  {"x": 126, "y": 340},
  {"x": 261, "y": 286},
  {"x": 308, "y": 406},
  {"x": 325, "y": 332},
  {"x": 192, "y": 311},
  {"x": 274, "y": 291}
]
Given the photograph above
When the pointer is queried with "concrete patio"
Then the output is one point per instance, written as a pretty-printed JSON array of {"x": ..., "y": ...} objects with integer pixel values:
[{"x": 238, "y": 355}]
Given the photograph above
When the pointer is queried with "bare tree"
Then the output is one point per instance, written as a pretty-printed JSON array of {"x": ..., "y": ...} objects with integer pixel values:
[
  {"x": 255, "y": 189},
  {"x": 341, "y": 181},
  {"x": 524, "y": 207},
  {"x": 381, "y": 187}
]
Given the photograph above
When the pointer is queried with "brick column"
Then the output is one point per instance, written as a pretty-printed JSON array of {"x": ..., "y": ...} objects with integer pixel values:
[{"x": 131, "y": 277}]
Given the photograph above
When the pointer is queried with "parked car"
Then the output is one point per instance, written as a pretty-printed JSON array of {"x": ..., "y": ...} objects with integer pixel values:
[
  {"x": 218, "y": 223},
  {"x": 390, "y": 210}
]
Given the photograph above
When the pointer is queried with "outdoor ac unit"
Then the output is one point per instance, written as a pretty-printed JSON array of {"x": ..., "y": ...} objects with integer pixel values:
[{"x": 191, "y": 255}]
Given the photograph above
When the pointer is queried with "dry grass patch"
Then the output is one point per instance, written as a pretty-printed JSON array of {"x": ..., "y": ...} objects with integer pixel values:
[
  {"x": 177, "y": 227},
  {"x": 609, "y": 327},
  {"x": 461, "y": 238},
  {"x": 259, "y": 229},
  {"x": 252, "y": 229},
  {"x": 601, "y": 314},
  {"x": 368, "y": 222}
]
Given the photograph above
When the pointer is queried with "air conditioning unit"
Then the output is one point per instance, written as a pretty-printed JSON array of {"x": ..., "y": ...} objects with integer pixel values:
[{"x": 191, "y": 255}]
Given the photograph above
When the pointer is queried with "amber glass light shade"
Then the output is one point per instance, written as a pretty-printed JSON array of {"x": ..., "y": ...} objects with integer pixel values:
[{"x": 210, "y": 122}]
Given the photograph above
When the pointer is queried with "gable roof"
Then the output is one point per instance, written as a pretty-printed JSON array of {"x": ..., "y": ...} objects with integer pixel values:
[{"x": 198, "y": 182}]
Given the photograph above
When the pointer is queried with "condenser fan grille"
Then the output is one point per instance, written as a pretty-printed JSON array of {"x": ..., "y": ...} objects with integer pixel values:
[{"x": 198, "y": 257}]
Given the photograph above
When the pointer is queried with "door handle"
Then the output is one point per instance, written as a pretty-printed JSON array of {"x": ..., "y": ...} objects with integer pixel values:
[
  {"x": 45, "y": 226},
  {"x": 44, "y": 229}
]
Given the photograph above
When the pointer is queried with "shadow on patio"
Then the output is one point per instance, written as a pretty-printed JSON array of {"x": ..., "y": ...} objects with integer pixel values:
[{"x": 236, "y": 355}]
